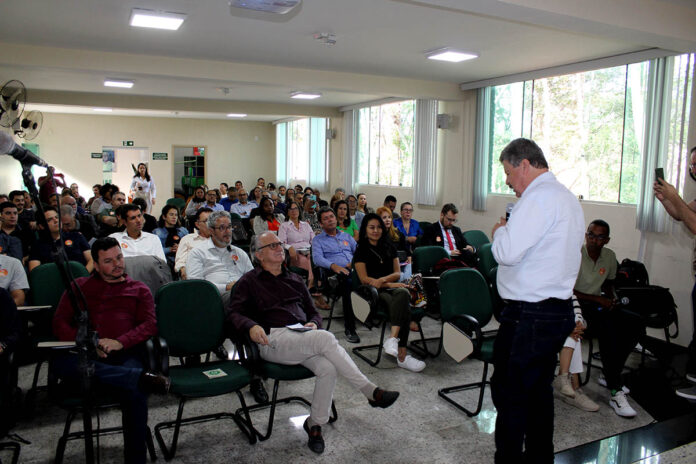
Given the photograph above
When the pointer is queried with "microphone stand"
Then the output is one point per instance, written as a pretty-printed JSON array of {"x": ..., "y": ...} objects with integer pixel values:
[{"x": 86, "y": 340}]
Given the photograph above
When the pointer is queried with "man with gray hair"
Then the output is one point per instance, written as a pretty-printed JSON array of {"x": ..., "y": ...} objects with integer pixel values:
[
  {"x": 275, "y": 308},
  {"x": 538, "y": 255}
]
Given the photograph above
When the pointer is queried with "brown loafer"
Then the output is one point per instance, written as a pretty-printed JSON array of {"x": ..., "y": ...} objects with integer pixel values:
[{"x": 152, "y": 382}]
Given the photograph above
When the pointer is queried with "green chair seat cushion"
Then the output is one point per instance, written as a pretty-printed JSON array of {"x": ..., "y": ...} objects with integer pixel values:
[
  {"x": 192, "y": 383},
  {"x": 277, "y": 371}
]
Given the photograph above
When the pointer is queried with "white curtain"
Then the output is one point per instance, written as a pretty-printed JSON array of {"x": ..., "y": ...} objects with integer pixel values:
[
  {"x": 281, "y": 153},
  {"x": 425, "y": 166},
  {"x": 483, "y": 145},
  {"x": 350, "y": 149},
  {"x": 317, "y": 153},
  {"x": 651, "y": 215}
]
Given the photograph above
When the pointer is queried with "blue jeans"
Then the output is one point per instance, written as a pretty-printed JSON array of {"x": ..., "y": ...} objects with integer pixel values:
[
  {"x": 121, "y": 371},
  {"x": 524, "y": 355}
]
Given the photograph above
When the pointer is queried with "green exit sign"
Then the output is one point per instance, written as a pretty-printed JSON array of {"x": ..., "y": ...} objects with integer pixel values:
[{"x": 127, "y": 143}]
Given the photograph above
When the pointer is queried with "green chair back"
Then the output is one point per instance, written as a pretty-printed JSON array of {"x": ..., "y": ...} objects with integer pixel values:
[
  {"x": 486, "y": 261},
  {"x": 495, "y": 296},
  {"x": 476, "y": 238},
  {"x": 46, "y": 284},
  {"x": 180, "y": 203},
  {"x": 425, "y": 257},
  {"x": 465, "y": 291},
  {"x": 235, "y": 216},
  {"x": 190, "y": 317}
]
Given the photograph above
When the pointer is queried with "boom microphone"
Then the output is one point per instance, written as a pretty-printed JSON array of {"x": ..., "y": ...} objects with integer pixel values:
[{"x": 21, "y": 154}]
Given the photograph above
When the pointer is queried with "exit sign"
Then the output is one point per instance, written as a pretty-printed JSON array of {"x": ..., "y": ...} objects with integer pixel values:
[{"x": 127, "y": 143}]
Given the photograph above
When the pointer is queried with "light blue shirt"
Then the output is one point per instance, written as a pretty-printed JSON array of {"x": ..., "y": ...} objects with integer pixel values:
[{"x": 337, "y": 249}]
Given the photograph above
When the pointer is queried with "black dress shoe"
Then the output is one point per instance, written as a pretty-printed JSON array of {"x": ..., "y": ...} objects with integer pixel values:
[
  {"x": 221, "y": 353},
  {"x": 316, "y": 441},
  {"x": 352, "y": 337},
  {"x": 152, "y": 382},
  {"x": 258, "y": 391},
  {"x": 383, "y": 398}
]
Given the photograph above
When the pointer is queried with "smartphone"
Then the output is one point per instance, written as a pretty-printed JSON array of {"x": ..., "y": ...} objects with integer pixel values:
[
  {"x": 659, "y": 174},
  {"x": 313, "y": 197}
]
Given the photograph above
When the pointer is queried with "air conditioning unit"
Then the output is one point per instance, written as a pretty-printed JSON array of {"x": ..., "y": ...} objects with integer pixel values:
[{"x": 268, "y": 6}]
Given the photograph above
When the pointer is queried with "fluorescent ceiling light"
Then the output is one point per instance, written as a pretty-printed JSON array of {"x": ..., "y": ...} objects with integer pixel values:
[
  {"x": 305, "y": 95},
  {"x": 449, "y": 54},
  {"x": 237, "y": 115},
  {"x": 102, "y": 110},
  {"x": 118, "y": 83},
  {"x": 156, "y": 20}
]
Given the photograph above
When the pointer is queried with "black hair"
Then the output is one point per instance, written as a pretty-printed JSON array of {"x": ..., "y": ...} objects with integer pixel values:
[
  {"x": 104, "y": 189},
  {"x": 147, "y": 173},
  {"x": 449, "y": 207},
  {"x": 165, "y": 210},
  {"x": 389, "y": 199},
  {"x": 362, "y": 234},
  {"x": 601, "y": 223},
  {"x": 15, "y": 193},
  {"x": 311, "y": 191},
  {"x": 140, "y": 203},
  {"x": 225, "y": 184},
  {"x": 7, "y": 204},
  {"x": 323, "y": 210},
  {"x": 271, "y": 186},
  {"x": 346, "y": 221},
  {"x": 199, "y": 211},
  {"x": 260, "y": 212},
  {"x": 102, "y": 244},
  {"x": 97, "y": 185},
  {"x": 125, "y": 208}
]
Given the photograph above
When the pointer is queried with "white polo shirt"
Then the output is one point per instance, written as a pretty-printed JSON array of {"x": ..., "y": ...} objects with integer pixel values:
[
  {"x": 146, "y": 245},
  {"x": 12, "y": 275}
]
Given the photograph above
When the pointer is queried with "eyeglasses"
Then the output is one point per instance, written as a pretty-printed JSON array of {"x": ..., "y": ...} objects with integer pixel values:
[
  {"x": 592, "y": 236},
  {"x": 452, "y": 220},
  {"x": 273, "y": 246},
  {"x": 223, "y": 228},
  {"x": 406, "y": 210}
]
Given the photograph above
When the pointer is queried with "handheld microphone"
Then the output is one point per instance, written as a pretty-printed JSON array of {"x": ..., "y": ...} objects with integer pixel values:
[
  {"x": 508, "y": 210},
  {"x": 21, "y": 154}
]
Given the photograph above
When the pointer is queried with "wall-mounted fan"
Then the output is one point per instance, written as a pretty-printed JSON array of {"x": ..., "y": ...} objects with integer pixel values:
[
  {"x": 13, "y": 96},
  {"x": 30, "y": 125}
]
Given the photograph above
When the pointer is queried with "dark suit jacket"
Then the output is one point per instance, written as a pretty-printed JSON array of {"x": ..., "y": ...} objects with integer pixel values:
[{"x": 432, "y": 236}]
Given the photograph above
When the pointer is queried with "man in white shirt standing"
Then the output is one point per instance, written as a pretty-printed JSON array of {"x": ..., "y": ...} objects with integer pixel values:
[
  {"x": 133, "y": 241},
  {"x": 188, "y": 242},
  {"x": 217, "y": 260},
  {"x": 538, "y": 255}
]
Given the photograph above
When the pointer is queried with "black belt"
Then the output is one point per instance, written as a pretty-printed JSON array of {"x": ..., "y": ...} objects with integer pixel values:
[{"x": 548, "y": 301}]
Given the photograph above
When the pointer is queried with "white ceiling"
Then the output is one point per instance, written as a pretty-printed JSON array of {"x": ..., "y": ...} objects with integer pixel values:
[{"x": 379, "y": 52}]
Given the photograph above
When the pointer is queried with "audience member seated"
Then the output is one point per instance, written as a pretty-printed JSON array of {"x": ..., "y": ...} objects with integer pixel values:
[
  {"x": 398, "y": 241},
  {"x": 261, "y": 182},
  {"x": 355, "y": 215},
  {"x": 65, "y": 198},
  {"x": 230, "y": 199},
  {"x": 377, "y": 265},
  {"x": 309, "y": 212},
  {"x": 200, "y": 235},
  {"x": 223, "y": 188},
  {"x": 255, "y": 196},
  {"x": 10, "y": 332},
  {"x": 616, "y": 329},
  {"x": 362, "y": 204},
  {"x": 217, "y": 260},
  {"x": 170, "y": 232},
  {"x": 106, "y": 191},
  {"x": 123, "y": 312},
  {"x": 238, "y": 185},
  {"x": 243, "y": 208},
  {"x": 150, "y": 222},
  {"x": 282, "y": 190},
  {"x": 4, "y": 198},
  {"x": 333, "y": 251},
  {"x": 95, "y": 195},
  {"x": 297, "y": 237},
  {"x": 267, "y": 300},
  {"x": 390, "y": 202},
  {"x": 10, "y": 246},
  {"x": 338, "y": 196},
  {"x": 133, "y": 241},
  {"x": 265, "y": 219},
  {"x": 197, "y": 200},
  {"x": 343, "y": 220},
  {"x": 410, "y": 228},
  {"x": 278, "y": 206},
  {"x": 211, "y": 199},
  {"x": 108, "y": 218},
  {"x": 51, "y": 238},
  {"x": 444, "y": 233},
  {"x": 13, "y": 278},
  {"x": 80, "y": 222},
  {"x": 25, "y": 217},
  {"x": 10, "y": 227},
  {"x": 75, "y": 190}
]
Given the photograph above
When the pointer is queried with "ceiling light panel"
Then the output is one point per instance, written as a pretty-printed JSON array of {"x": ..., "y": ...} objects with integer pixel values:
[
  {"x": 236, "y": 115},
  {"x": 450, "y": 54},
  {"x": 300, "y": 95},
  {"x": 119, "y": 83},
  {"x": 156, "y": 19}
]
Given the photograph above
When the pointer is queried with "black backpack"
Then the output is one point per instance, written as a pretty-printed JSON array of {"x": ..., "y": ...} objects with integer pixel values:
[
  {"x": 631, "y": 274},
  {"x": 239, "y": 233}
]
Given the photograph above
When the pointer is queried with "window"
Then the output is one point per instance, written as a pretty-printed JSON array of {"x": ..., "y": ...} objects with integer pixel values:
[
  {"x": 385, "y": 144},
  {"x": 301, "y": 151},
  {"x": 590, "y": 126}
]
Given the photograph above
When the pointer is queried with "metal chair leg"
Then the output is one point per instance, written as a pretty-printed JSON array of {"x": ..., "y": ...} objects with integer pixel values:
[
  {"x": 359, "y": 349},
  {"x": 444, "y": 392}
]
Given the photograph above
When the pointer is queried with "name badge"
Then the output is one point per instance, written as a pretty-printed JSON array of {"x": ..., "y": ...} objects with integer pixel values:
[
  {"x": 602, "y": 271},
  {"x": 345, "y": 243},
  {"x": 235, "y": 258},
  {"x": 438, "y": 239},
  {"x": 124, "y": 245},
  {"x": 68, "y": 243}
]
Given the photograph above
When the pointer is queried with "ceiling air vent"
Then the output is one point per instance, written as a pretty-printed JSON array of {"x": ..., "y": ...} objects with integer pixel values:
[{"x": 269, "y": 6}]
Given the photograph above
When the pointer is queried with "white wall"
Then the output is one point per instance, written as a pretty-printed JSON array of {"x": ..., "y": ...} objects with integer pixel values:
[{"x": 236, "y": 149}]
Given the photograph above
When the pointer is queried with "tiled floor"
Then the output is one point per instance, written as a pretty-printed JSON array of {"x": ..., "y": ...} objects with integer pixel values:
[{"x": 420, "y": 427}]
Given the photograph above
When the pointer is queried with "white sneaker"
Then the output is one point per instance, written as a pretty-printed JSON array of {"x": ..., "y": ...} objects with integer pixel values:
[
  {"x": 603, "y": 382},
  {"x": 691, "y": 377},
  {"x": 391, "y": 346},
  {"x": 563, "y": 384},
  {"x": 688, "y": 393},
  {"x": 620, "y": 404},
  {"x": 411, "y": 363}
]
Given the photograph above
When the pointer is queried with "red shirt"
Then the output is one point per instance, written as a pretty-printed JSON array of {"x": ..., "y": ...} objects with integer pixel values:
[{"x": 123, "y": 311}]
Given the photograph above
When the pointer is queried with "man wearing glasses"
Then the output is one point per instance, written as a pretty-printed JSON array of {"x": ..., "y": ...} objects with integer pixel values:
[{"x": 444, "y": 233}]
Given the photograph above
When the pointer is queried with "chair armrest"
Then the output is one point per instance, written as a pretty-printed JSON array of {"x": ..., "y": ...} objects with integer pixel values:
[
  {"x": 161, "y": 355},
  {"x": 248, "y": 350},
  {"x": 470, "y": 325},
  {"x": 369, "y": 293}
]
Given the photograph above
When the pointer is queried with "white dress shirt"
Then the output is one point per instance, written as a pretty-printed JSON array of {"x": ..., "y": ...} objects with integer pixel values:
[
  {"x": 242, "y": 210},
  {"x": 538, "y": 251},
  {"x": 187, "y": 243},
  {"x": 217, "y": 265},
  {"x": 146, "y": 245}
]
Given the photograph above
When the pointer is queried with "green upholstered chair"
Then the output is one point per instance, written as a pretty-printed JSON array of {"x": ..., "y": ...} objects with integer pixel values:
[
  {"x": 486, "y": 261},
  {"x": 476, "y": 238},
  {"x": 424, "y": 260},
  {"x": 190, "y": 320},
  {"x": 466, "y": 305},
  {"x": 423, "y": 225},
  {"x": 180, "y": 203}
]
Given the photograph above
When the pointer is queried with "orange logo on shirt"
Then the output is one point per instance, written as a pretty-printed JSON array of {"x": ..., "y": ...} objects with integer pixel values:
[
  {"x": 123, "y": 245},
  {"x": 345, "y": 242},
  {"x": 0, "y": 249},
  {"x": 602, "y": 271},
  {"x": 235, "y": 258},
  {"x": 68, "y": 243},
  {"x": 438, "y": 239},
  {"x": 3, "y": 272},
  {"x": 176, "y": 237}
]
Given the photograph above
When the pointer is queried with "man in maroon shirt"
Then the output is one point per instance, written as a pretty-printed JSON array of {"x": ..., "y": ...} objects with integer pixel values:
[{"x": 121, "y": 311}]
